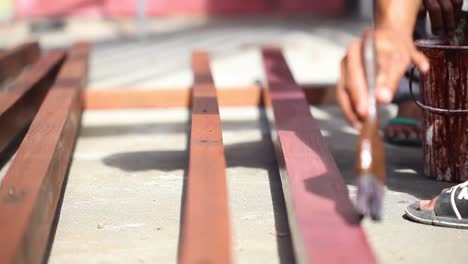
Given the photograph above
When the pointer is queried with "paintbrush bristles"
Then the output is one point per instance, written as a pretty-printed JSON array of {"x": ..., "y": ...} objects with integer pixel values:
[{"x": 370, "y": 168}]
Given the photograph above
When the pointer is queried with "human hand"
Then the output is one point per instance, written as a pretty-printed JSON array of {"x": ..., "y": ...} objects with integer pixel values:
[
  {"x": 395, "y": 53},
  {"x": 444, "y": 15}
]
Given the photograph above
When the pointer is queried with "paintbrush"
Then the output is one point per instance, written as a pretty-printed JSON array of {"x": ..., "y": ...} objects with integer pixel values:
[{"x": 370, "y": 158}]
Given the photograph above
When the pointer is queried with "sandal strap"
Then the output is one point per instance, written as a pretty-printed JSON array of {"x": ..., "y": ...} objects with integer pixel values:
[
  {"x": 403, "y": 121},
  {"x": 453, "y": 202}
]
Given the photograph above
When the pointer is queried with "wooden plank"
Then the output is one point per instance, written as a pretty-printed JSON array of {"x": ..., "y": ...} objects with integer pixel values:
[
  {"x": 324, "y": 225},
  {"x": 20, "y": 100},
  {"x": 181, "y": 97},
  {"x": 205, "y": 230},
  {"x": 31, "y": 188},
  {"x": 13, "y": 61}
]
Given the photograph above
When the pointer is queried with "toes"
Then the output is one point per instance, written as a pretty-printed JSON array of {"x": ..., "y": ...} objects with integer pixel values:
[
  {"x": 404, "y": 132},
  {"x": 410, "y": 132},
  {"x": 400, "y": 132},
  {"x": 393, "y": 131},
  {"x": 427, "y": 205},
  {"x": 424, "y": 205},
  {"x": 389, "y": 131}
]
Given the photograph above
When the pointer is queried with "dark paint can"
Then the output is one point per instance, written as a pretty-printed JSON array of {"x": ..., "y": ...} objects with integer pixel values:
[{"x": 444, "y": 100}]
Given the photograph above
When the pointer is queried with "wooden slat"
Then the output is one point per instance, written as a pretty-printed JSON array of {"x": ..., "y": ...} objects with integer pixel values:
[
  {"x": 20, "y": 100},
  {"x": 324, "y": 225},
  {"x": 13, "y": 61},
  {"x": 31, "y": 188},
  {"x": 181, "y": 97},
  {"x": 205, "y": 230}
]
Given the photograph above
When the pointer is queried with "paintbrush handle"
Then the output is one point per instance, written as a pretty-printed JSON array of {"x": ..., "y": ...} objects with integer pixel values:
[
  {"x": 370, "y": 68},
  {"x": 370, "y": 155},
  {"x": 370, "y": 161}
]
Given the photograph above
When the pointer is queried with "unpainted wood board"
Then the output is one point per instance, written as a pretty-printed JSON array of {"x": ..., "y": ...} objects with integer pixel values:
[
  {"x": 324, "y": 225},
  {"x": 205, "y": 236},
  {"x": 168, "y": 97},
  {"x": 31, "y": 188},
  {"x": 20, "y": 100}
]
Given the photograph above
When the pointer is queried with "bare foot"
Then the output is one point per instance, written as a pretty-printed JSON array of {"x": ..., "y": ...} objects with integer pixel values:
[{"x": 407, "y": 109}]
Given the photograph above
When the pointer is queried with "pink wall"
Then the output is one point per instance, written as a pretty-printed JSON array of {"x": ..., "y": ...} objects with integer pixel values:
[{"x": 125, "y": 8}]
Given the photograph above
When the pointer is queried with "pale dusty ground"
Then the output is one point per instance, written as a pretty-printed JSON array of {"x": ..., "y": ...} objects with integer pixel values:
[{"x": 162, "y": 58}]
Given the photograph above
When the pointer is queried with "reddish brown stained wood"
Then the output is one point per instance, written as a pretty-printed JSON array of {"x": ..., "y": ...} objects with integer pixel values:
[
  {"x": 205, "y": 230},
  {"x": 13, "y": 61},
  {"x": 324, "y": 225},
  {"x": 31, "y": 188},
  {"x": 181, "y": 97},
  {"x": 20, "y": 100}
]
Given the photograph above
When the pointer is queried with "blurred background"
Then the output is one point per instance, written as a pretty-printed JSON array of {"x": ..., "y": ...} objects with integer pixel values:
[{"x": 147, "y": 43}]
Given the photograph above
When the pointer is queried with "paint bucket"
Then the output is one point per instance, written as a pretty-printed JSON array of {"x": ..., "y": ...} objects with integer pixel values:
[{"x": 444, "y": 100}]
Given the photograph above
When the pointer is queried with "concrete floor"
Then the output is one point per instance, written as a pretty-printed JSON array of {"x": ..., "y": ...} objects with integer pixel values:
[{"x": 123, "y": 197}]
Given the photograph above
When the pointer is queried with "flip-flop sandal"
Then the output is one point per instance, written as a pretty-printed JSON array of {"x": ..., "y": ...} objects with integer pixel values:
[
  {"x": 403, "y": 141},
  {"x": 451, "y": 209}
]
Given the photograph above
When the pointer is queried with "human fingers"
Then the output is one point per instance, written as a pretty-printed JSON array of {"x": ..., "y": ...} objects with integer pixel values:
[
  {"x": 344, "y": 101},
  {"x": 356, "y": 83},
  {"x": 420, "y": 60},
  {"x": 435, "y": 14},
  {"x": 448, "y": 13},
  {"x": 393, "y": 62},
  {"x": 457, "y": 6}
]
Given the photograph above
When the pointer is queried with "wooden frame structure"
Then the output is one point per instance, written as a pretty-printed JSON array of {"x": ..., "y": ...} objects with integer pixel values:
[{"x": 48, "y": 97}]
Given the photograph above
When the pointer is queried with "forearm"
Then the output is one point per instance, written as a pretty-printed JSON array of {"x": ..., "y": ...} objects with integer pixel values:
[{"x": 397, "y": 15}]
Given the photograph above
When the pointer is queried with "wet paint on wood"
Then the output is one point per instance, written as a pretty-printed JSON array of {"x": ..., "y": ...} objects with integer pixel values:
[{"x": 324, "y": 224}]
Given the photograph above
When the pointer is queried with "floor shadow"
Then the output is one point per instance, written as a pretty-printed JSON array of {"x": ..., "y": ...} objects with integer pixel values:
[
  {"x": 9, "y": 151},
  {"x": 183, "y": 194},
  {"x": 147, "y": 160},
  {"x": 284, "y": 242},
  {"x": 260, "y": 155}
]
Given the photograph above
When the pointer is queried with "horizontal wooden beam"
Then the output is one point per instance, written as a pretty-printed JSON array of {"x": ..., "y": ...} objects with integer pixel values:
[
  {"x": 325, "y": 227},
  {"x": 21, "y": 99},
  {"x": 13, "y": 61},
  {"x": 205, "y": 236},
  {"x": 31, "y": 188},
  {"x": 181, "y": 97}
]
